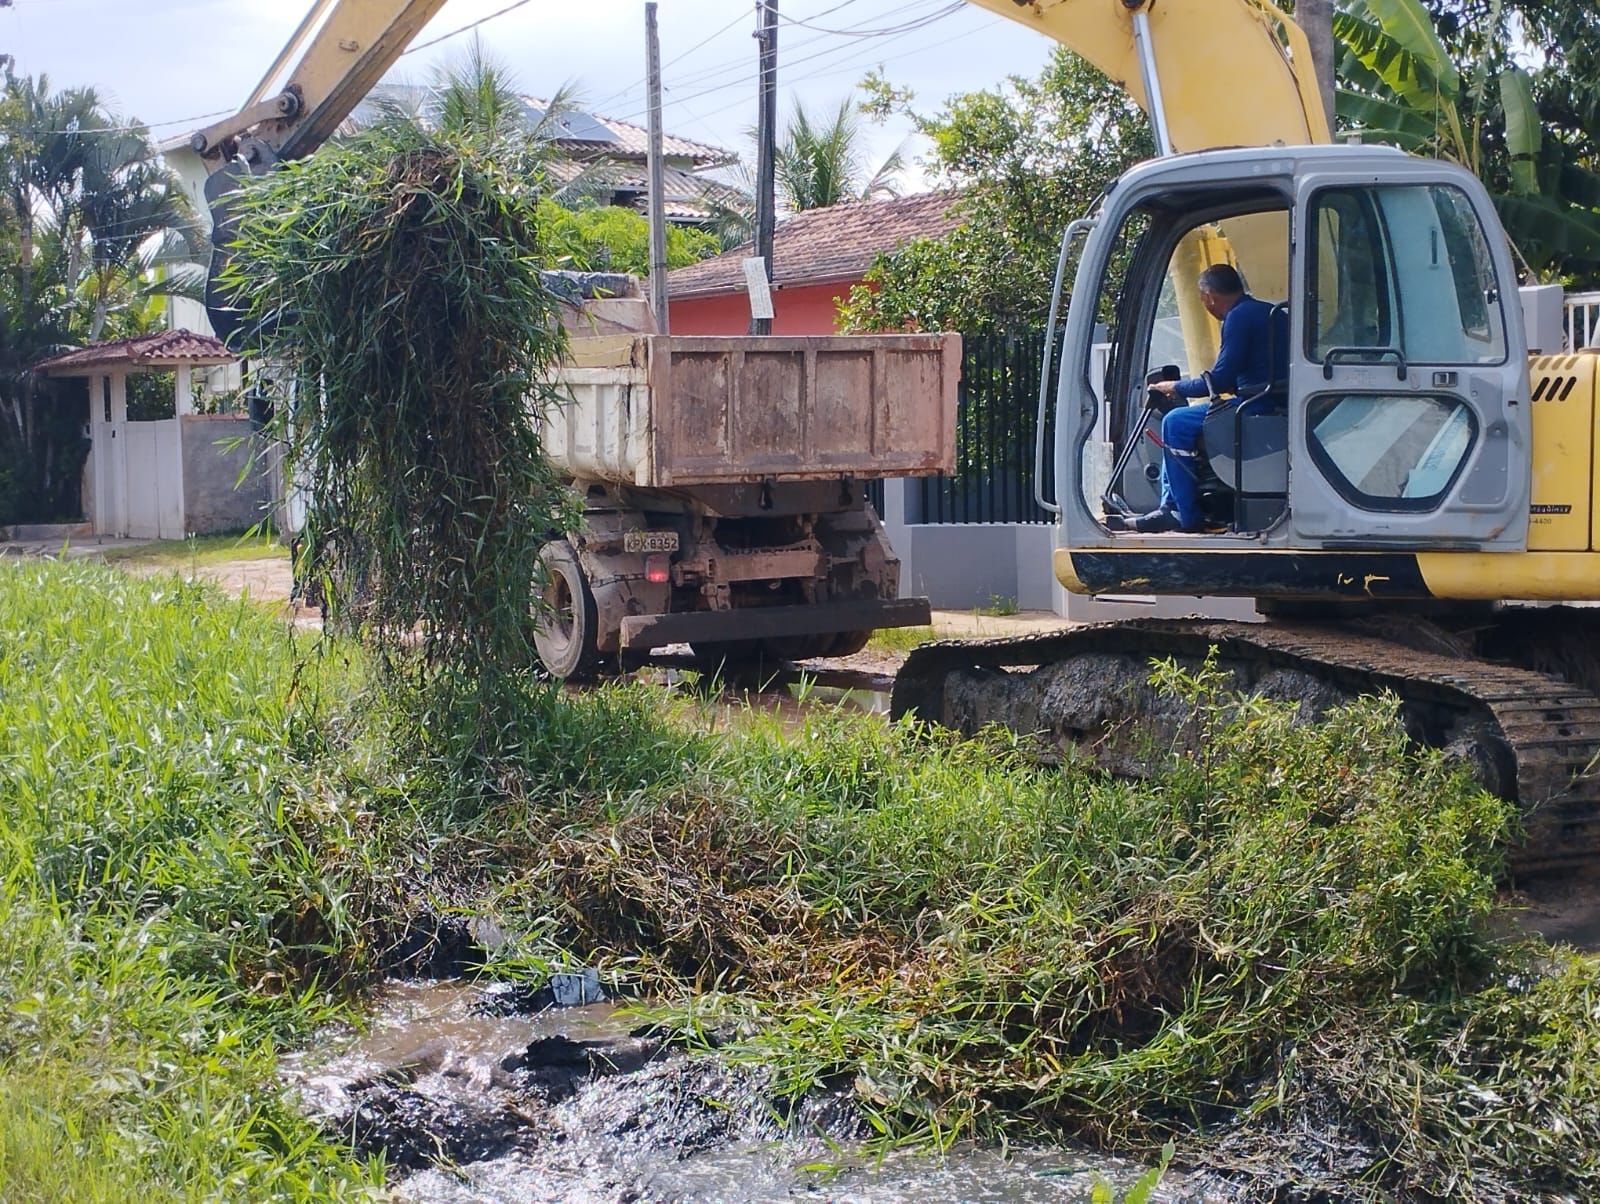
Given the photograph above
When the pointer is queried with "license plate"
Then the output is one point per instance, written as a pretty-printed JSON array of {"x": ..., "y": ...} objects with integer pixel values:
[{"x": 649, "y": 541}]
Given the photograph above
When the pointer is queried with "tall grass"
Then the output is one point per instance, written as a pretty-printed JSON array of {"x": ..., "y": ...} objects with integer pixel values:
[
  {"x": 162, "y": 905},
  {"x": 206, "y": 835},
  {"x": 1286, "y": 930}
]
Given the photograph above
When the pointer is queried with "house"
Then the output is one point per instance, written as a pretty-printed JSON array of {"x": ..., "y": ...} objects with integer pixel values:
[
  {"x": 604, "y": 160},
  {"x": 817, "y": 257},
  {"x": 162, "y": 478}
]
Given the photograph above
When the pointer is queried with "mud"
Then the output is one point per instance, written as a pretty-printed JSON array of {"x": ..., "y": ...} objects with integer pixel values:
[{"x": 470, "y": 1096}]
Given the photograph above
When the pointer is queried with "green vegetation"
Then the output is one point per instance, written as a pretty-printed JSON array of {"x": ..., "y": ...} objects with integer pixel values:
[
  {"x": 1027, "y": 157},
  {"x": 900, "y": 639},
  {"x": 166, "y": 907},
  {"x": 607, "y": 238},
  {"x": 1000, "y": 606},
  {"x": 199, "y": 549},
  {"x": 431, "y": 495},
  {"x": 211, "y": 832}
]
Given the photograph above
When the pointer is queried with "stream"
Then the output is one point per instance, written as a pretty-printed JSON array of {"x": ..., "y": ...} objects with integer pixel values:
[{"x": 484, "y": 1092}]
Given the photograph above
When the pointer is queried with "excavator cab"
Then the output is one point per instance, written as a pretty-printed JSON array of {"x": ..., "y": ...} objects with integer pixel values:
[{"x": 1402, "y": 422}]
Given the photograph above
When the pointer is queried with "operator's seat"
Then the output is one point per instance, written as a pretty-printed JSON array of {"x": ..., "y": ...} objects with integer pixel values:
[{"x": 1246, "y": 447}]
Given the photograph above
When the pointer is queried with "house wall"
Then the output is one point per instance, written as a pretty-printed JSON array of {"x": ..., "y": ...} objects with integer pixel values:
[
  {"x": 216, "y": 449},
  {"x": 799, "y": 309}
]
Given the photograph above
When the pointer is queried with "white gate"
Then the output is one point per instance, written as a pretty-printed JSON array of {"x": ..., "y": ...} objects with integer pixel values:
[{"x": 153, "y": 457}]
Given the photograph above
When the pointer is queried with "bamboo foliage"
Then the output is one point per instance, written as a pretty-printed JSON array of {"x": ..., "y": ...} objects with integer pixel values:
[{"x": 395, "y": 277}]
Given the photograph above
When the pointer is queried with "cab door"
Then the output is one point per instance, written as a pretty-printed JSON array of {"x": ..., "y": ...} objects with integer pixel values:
[{"x": 1410, "y": 424}]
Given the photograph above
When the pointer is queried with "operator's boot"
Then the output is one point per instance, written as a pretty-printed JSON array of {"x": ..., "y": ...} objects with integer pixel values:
[{"x": 1157, "y": 522}]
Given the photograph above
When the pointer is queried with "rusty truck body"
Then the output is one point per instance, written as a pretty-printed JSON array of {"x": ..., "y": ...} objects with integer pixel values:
[{"x": 723, "y": 492}]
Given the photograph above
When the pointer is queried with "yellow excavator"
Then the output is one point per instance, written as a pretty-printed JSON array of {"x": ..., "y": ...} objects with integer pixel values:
[
  {"x": 1412, "y": 473},
  {"x": 1382, "y": 504}
]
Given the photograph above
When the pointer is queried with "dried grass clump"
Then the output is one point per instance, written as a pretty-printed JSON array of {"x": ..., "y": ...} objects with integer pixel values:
[{"x": 393, "y": 282}]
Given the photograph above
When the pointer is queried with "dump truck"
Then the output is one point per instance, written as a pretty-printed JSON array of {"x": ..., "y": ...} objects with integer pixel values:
[{"x": 723, "y": 486}]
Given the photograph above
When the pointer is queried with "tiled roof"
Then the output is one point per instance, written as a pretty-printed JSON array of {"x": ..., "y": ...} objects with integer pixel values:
[
  {"x": 591, "y": 134},
  {"x": 838, "y": 243},
  {"x": 629, "y": 140},
  {"x": 159, "y": 350},
  {"x": 680, "y": 187}
]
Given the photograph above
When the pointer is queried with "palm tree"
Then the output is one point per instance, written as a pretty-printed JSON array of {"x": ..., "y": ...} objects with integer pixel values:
[
  {"x": 474, "y": 98},
  {"x": 44, "y": 137},
  {"x": 130, "y": 212},
  {"x": 820, "y": 163}
]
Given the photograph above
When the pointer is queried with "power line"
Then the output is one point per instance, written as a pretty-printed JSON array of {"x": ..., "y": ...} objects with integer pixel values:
[
  {"x": 481, "y": 20},
  {"x": 849, "y": 50},
  {"x": 855, "y": 63},
  {"x": 740, "y": 66},
  {"x": 120, "y": 129},
  {"x": 705, "y": 41},
  {"x": 885, "y": 31}
]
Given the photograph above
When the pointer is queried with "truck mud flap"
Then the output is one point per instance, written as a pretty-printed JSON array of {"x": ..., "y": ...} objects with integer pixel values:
[{"x": 640, "y": 633}]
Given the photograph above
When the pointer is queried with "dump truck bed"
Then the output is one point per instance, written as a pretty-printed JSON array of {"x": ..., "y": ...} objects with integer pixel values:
[{"x": 658, "y": 411}]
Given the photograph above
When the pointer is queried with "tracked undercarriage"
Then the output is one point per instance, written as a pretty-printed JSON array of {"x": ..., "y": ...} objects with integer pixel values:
[{"x": 1514, "y": 695}]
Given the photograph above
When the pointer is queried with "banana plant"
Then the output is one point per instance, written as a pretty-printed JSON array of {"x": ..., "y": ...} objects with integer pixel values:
[{"x": 1398, "y": 85}]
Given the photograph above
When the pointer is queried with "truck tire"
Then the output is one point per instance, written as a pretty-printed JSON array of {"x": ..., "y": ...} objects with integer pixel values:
[
  {"x": 848, "y": 643},
  {"x": 817, "y": 647},
  {"x": 565, "y": 632},
  {"x": 735, "y": 657}
]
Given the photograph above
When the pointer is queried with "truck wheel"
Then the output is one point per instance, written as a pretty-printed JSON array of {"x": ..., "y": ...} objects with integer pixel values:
[
  {"x": 564, "y": 633},
  {"x": 728, "y": 656},
  {"x": 848, "y": 643}
]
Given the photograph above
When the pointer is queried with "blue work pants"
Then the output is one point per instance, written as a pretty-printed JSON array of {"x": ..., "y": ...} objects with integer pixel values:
[{"x": 1180, "y": 463}]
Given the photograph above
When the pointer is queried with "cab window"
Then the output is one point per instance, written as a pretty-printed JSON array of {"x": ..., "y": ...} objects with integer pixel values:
[{"x": 1404, "y": 269}]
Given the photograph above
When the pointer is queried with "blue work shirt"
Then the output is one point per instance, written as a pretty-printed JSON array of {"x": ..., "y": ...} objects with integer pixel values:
[{"x": 1245, "y": 365}]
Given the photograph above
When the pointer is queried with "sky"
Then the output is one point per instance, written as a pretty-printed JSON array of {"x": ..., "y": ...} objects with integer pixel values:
[{"x": 169, "y": 63}]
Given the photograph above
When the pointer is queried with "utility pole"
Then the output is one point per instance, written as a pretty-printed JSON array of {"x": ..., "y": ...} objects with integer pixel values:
[
  {"x": 658, "y": 209},
  {"x": 1315, "y": 17},
  {"x": 767, "y": 138}
]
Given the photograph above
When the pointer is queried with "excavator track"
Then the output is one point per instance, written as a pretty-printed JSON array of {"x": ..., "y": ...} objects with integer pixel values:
[{"x": 1536, "y": 736}]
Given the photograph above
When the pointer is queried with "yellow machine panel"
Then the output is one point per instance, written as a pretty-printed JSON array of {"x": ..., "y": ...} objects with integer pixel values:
[{"x": 1561, "y": 517}]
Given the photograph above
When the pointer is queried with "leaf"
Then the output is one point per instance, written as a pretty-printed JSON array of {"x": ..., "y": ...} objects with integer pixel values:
[
  {"x": 1387, "y": 63},
  {"x": 1385, "y": 121},
  {"x": 1419, "y": 81},
  {"x": 1524, "y": 134},
  {"x": 1544, "y": 229},
  {"x": 1140, "y": 1192},
  {"x": 1408, "y": 23}
]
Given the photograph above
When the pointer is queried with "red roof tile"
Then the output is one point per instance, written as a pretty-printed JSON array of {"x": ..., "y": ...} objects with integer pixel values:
[
  {"x": 838, "y": 243},
  {"x": 157, "y": 350}
]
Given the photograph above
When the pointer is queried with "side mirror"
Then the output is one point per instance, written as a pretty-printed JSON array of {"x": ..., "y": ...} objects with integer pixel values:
[{"x": 1165, "y": 372}]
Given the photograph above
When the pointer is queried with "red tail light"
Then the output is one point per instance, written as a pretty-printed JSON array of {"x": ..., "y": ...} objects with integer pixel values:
[{"x": 657, "y": 568}]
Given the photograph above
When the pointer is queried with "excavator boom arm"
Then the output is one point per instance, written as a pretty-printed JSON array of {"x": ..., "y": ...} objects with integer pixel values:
[
  {"x": 344, "y": 57},
  {"x": 1227, "y": 72}
]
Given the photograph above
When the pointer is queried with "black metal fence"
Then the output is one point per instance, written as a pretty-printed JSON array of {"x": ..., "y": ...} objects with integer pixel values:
[{"x": 996, "y": 425}]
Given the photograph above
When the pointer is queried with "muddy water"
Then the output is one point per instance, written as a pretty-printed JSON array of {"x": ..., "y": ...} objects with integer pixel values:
[{"x": 473, "y": 1096}]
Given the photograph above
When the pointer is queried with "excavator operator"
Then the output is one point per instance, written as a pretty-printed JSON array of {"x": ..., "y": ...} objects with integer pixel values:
[{"x": 1252, "y": 357}]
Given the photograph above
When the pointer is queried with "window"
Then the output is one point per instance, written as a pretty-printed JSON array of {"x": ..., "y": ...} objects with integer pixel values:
[
  {"x": 1391, "y": 451},
  {"x": 1255, "y": 243},
  {"x": 1403, "y": 269}
]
